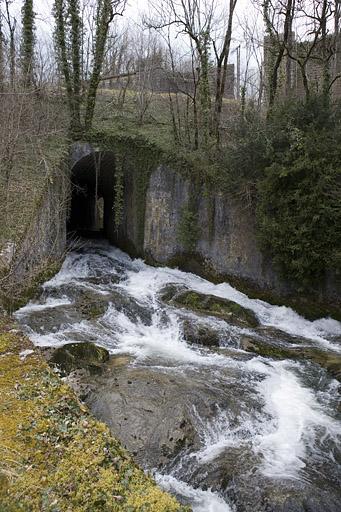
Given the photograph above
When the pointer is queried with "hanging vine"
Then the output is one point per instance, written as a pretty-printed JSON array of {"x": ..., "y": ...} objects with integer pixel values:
[{"x": 118, "y": 205}]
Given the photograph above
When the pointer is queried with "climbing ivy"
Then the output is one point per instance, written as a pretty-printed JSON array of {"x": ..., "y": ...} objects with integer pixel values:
[
  {"x": 188, "y": 229},
  {"x": 298, "y": 207},
  {"x": 141, "y": 158},
  {"x": 28, "y": 40},
  {"x": 118, "y": 205}
]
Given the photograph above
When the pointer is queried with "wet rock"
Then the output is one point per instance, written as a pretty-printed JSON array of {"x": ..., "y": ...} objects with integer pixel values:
[
  {"x": 51, "y": 319},
  {"x": 232, "y": 475},
  {"x": 211, "y": 305},
  {"x": 276, "y": 335},
  {"x": 88, "y": 304},
  {"x": 263, "y": 347},
  {"x": 331, "y": 361},
  {"x": 91, "y": 306},
  {"x": 77, "y": 380},
  {"x": 170, "y": 291},
  {"x": 132, "y": 309},
  {"x": 200, "y": 334},
  {"x": 144, "y": 424},
  {"x": 74, "y": 356},
  {"x": 102, "y": 280},
  {"x": 152, "y": 412}
]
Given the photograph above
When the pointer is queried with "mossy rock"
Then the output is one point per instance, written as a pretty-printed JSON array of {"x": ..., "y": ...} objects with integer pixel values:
[
  {"x": 92, "y": 307},
  {"x": 210, "y": 305},
  {"x": 331, "y": 361},
  {"x": 170, "y": 291},
  {"x": 266, "y": 349},
  {"x": 75, "y": 356},
  {"x": 200, "y": 334}
]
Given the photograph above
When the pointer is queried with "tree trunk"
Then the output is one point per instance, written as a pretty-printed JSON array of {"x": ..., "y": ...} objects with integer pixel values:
[
  {"x": 72, "y": 83},
  {"x": 281, "y": 46},
  {"x": 2, "y": 56},
  {"x": 27, "y": 45},
  {"x": 104, "y": 17},
  {"x": 204, "y": 89},
  {"x": 326, "y": 77},
  {"x": 221, "y": 73},
  {"x": 12, "y": 51}
]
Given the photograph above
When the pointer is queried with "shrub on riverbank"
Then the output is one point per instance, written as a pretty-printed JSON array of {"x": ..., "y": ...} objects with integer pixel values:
[
  {"x": 299, "y": 194},
  {"x": 288, "y": 167}
]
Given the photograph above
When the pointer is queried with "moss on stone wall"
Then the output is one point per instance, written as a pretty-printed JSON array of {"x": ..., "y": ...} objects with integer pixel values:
[
  {"x": 38, "y": 241},
  {"x": 14, "y": 294},
  {"x": 54, "y": 456}
]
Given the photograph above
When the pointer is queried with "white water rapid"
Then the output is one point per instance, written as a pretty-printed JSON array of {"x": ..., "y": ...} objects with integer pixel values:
[{"x": 263, "y": 425}]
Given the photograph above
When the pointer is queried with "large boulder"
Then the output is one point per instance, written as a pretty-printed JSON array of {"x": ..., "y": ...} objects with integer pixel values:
[
  {"x": 201, "y": 334},
  {"x": 159, "y": 414},
  {"x": 153, "y": 412},
  {"x": 75, "y": 356},
  {"x": 211, "y": 305}
]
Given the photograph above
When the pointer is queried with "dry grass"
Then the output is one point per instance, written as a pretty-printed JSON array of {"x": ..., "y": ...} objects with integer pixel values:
[{"x": 32, "y": 142}]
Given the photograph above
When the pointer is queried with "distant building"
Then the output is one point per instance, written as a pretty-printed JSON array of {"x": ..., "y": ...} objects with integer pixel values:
[
  {"x": 290, "y": 80},
  {"x": 162, "y": 80}
]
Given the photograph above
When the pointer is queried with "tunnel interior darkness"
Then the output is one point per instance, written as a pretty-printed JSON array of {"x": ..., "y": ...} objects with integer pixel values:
[{"x": 92, "y": 202}]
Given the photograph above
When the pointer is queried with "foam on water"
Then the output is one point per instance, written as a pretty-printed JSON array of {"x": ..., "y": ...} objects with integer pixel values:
[
  {"x": 159, "y": 340},
  {"x": 201, "y": 501},
  {"x": 80, "y": 266},
  {"x": 218, "y": 434},
  {"x": 296, "y": 417},
  {"x": 283, "y": 432},
  {"x": 33, "y": 307},
  {"x": 147, "y": 281},
  {"x": 144, "y": 282}
]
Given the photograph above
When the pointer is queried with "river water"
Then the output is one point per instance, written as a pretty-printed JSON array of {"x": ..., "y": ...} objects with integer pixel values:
[{"x": 267, "y": 430}]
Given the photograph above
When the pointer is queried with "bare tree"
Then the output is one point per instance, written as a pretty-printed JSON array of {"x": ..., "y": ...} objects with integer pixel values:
[
  {"x": 278, "y": 18},
  {"x": 2, "y": 51},
  {"x": 253, "y": 39},
  {"x": 194, "y": 19},
  {"x": 69, "y": 44},
  {"x": 222, "y": 56},
  {"x": 11, "y": 25}
]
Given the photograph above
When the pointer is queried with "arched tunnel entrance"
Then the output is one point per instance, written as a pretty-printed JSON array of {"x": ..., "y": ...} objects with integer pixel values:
[{"x": 92, "y": 202}]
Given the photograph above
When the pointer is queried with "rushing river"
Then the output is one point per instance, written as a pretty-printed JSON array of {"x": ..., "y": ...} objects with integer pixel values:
[{"x": 265, "y": 431}]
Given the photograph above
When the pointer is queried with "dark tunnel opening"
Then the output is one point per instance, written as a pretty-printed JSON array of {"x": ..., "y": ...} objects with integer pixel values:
[{"x": 92, "y": 201}]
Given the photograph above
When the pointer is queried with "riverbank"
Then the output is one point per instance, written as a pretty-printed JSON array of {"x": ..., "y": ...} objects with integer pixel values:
[{"x": 53, "y": 454}]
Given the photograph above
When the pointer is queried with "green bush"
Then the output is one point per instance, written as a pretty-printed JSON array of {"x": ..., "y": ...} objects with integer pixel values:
[{"x": 299, "y": 196}]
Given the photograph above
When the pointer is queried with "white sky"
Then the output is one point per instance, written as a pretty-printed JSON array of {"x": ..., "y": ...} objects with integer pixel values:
[{"x": 43, "y": 8}]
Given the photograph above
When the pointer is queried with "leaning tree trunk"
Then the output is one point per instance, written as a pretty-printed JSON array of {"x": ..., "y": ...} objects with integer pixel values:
[
  {"x": 71, "y": 72},
  {"x": 104, "y": 17},
  {"x": 221, "y": 76}
]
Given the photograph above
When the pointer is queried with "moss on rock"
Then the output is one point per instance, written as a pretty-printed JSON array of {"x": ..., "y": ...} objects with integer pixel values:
[
  {"x": 74, "y": 356},
  {"x": 200, "y": 334},
  {"x": 54, "y": 456},
  {"x": 211, "y": 305},
  {"x": 331, "y": 361}
]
